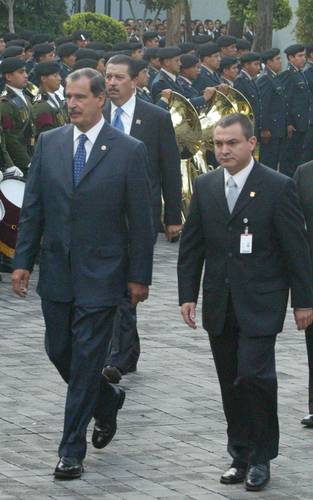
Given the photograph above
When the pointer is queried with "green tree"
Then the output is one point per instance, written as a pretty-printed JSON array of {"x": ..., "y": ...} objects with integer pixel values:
[
  {"x": 102, "y": 28},
  {"x": 246, "y": 10},
  {"x": 304, "y": 26}
]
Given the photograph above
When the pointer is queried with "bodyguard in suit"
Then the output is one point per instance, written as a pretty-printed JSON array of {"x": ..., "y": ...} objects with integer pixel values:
[
  {"x": 246, "y": 226},
  {"x": 274, "y": 110},
  {"x": 153, "y": 126},
  {"x": 299, "y": 101},
  {"x": 307, "y": 153},
  {"x": 88, "y": 204}
]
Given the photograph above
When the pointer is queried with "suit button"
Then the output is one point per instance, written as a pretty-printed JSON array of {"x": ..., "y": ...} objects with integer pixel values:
[{"x": 230, "y": 254}]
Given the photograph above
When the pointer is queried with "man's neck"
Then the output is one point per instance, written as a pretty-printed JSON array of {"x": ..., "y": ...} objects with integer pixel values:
[
  {"x": 236, "y": 170},
  {"x": 86, "y": 128},
  {"x": 120, "y": 102}
]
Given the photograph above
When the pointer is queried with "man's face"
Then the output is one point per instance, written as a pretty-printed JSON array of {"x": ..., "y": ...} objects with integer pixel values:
[
  {"x": 18, "y": 78},
  {"x": 231, "y": 72},
  {"x": 298, "y": 60},
  {"x": 275, "y": 64},
  {"x": 143, "y": 78},
  {"x": 52, "y": 82},
  {"x": 82, "y": 44},
  {"x": 152, "y": 42},
  {"x": 213, "y": 61},
  {"x": 155, "y": 62},
  {"x": 231, "y": 50},
  {"x": 28, "y": 54},
  {"x": 84, "y": 108},
  {"x": 2, "y": 45},
  {"x": 192, "y": 73},
  {"x": 172, "y": 65},
  {"x": 137, "y": 54},
  {"x": 101, "y": 66},
  {"x": 47, "y": 57},
  {"x": 253, "y": 68},
  {"x": 232, "y": 150},
  {"x": 120, "y": 86},
  {"x": 70, "y": 60},
  {"x": 210, "y": 25}
]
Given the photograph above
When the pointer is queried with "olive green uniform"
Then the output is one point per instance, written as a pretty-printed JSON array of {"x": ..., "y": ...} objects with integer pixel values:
[{"x": 48, "y": 113}]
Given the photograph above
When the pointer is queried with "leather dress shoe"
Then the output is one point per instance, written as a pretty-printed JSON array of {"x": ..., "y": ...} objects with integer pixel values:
[
  {"x": 104, "y": 430},
  {"x": 68, "y": 468},
  {"x": 257, "y": 476},
  {"x": 130, "y": 369},
  {"x": 234, "y": 475},
  {"x": 307, "y": 421},
  {"x": 112, "y": 374}
]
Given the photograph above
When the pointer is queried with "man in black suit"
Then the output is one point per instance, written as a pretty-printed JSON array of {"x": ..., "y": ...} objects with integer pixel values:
[
  {"x": 153, "y": 126},
  {"x": 304, "y": 181},
  {"x": 246, "y": 225},
  {"x": 88, "y": 205}
]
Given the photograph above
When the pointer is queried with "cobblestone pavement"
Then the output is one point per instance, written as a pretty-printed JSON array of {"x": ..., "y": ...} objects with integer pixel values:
[{"x": 171, "y": 438}]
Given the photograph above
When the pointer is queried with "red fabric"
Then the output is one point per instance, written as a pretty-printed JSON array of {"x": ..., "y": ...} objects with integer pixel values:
[
  {"x": 7, "y": 122},
  {"x": 44, "y": 119}
]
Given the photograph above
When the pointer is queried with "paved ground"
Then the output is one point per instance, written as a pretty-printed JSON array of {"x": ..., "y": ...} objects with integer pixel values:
[{"x": 171, "y": 439}]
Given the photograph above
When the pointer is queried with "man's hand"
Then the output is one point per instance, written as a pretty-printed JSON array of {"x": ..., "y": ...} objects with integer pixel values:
[
  {"x": 265, "y": 136},
  {"x": 167, "y": 94},
  {"x": 188, "y": 312},
  {"x": 20, "y": 280},
  {"x": 172, "y": 231},
  {"x": 138, "y": 292},
  {"x": 208, "y": 93},
  {"x": 303, "y": 318},
  {"x": 223, "y": 87},
  {"x": 290, "y": 130}
]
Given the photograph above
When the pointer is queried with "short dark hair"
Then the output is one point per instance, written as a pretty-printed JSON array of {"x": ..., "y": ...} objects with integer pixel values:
[
  {"x": 128, "y": 61},
  {"x": 243, "y": 120},
  {"x": 97, "y": 82}
]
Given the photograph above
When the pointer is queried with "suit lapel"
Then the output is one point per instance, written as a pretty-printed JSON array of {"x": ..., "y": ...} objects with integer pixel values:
[
  {"x": 107, "y": 111},
  {"x": 219, "y": 191},
  {"x": 66, "y": 155},
  {"x": 249, "y": 192},
  {"x": 138, "y": 120}
]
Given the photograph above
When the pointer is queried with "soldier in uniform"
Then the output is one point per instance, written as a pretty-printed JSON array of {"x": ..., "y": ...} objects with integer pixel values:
[
  {"x": 245, "y": 83},
  {"x": 48, "y": 110},
  {"x": 229, "y": 70},
  {"x": 142, "y": 81},
  {"x": 243, "y": 47},
  {"x": 154, "y": 65},
  {"x": 92, "y": 54},
  {"x": 274, "y": 109},
  {"x": 67, "y": 55},
  {"x": 227, "y": 45},
  {"x": 299, "y": 101},
  {"x": 150, "y": 40},
  {"x": 210, "y": 62},
  {"x": 42, "y": 52},
  {"x": 15, "y": 112},
  {"x": 166, "y": 79},
  {"x": 81, "y": 38},
  {"x": 189, "y": 71}
]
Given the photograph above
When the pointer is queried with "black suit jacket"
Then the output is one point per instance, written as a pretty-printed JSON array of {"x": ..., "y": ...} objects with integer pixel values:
[
  {"x": 153, "y": 126},
  {"x": 258, "y": 282},
  {"x": 97, "y": 236},
  {"x": 304, "y": 182}
]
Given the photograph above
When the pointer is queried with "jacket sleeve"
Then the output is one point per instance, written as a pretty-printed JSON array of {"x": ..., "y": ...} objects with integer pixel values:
[{"x": 265, "y": 89}]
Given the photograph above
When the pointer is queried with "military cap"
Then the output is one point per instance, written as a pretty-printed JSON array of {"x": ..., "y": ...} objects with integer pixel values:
[
  {"x": 151, "y": 53},
  {"x": 47, "y": 68},
  {"x": 120, "y": 46},
  {"x": 67, "y": 49},
  {"x": 242, "y": 44},
  {"x": 250, "y": 57},
  {"x": 81, "y": 35},
  {"x": 226, "y": 41},
  {"x": 228, "y": 61},
  {"x": 42, "y": 48},
  {"x": 96, "y": 46},
  {"x": 62, "y": 40},
  {"x": 85, "y": 63},
  {"x": 85, "y": 53},
  {"x": 309, "y": 49},
  {"x": 9, "y": 36},
  {"x": 294, "y": 49},
  {"x": 11, "y": 64},
  {"x": 26, "y": 35},
  {"x": 187, "y": 47},
  {"x": 169, "y": 52},
  {"x": 269, "y": 54},
  {"x": 135, "y": 45},
  {"x": 139, "y": 65},
  {"x": 149, "y": 35},
  {"x": 40, "y": 38},
  {"x": 188, "y": 61},
  {"x": 201, "y": 39},
  {"x": 18, "y": 42},
  {"x": 12, "y": 52},
  {"x": 208, "y": 49}
]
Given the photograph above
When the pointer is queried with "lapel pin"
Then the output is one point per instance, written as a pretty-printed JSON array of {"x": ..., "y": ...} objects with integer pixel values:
[
  {"x": 252, "y": 194},
  {"x": 138, "y": 122},
  {"x": 103, "y": 147}
]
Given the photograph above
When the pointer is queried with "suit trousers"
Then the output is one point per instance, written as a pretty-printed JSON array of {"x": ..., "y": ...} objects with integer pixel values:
[
  {"x": 309, "y": 348},
  {"x": 77, "y": 340},
  {"x": 292, "y": 153},
  {"x": 307, "y": 153},
  {"x": 270, "y": 153},
  {"x": 247, "y": 376}
]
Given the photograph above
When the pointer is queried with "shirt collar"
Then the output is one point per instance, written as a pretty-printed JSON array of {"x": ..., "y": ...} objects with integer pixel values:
[
  {"x": 17, "y": 91},
  {"x": 186, "y": 79},
  {"x": 208, "y": 69},
  {"x": 92, "y": 133},
  {"x": 247, "y": 74},
  {"x": 241, "y": 177},
  {"x": 171, "y": 75},
  {"x": 128, "y": 106}
]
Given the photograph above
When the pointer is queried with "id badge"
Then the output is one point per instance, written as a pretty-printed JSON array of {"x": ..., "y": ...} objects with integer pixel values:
[{"x": 246, "y": 243}]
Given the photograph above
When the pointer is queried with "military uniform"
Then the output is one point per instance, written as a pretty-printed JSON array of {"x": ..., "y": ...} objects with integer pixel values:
[
  {"x": 273, "y": 118},
  {"x": 64, "y": 72},
  {"x": 144, "y": 94},
  {"x": 152, "y": 74},
  {"x": 163, "y": 81},
  {"x": 48, "y": 112},
  {"x": 191, "y": 93},
  {"x": 207, "y": 78},
  {"x": 247, "y": 86},
  {"x": 5, "y": 159}
]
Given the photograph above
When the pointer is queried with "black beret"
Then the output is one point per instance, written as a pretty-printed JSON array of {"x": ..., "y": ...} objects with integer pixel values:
[
  {"x": 228, "y": 61},
  {"x": 67, "y": 49},
  {"x": 62, "y": 40},
  {"x": 12, "y": 52},
  {"x": 39, "y": 38},
  {"x": 294, "y": 49},
  {"x": 208, "y": 49},
  {"x": 87, "y": 54},
  {"x": 96, "y": 46},
  {"x": 81, "y": 35},
  {"x": 226, "y": 41},
  {"x": 269, "y": 54},
  {"x": 26, "y": 35},
  {"x": 151, "y": 53},
  {"x": 250, "y": 57},
  {"x": 11, "y": 64},
  {"x": 47, "y": 68},
  {"x": 9, "y": 36},
  {"x": 309, "y": 48},
  {"x": 242, "y": 44},
  {"x": 200, "y": 39},
  {"x": 18, "y": 42},
  {"x": 119, "y": 46},
  {"x": 149, "y": 35},
  {"x": 169, "y": 52},
  {"x": 139, "y": 65},
  {"x": 188, "y": 61},
  {"x": 187, "y": 47},
  {"x": 42, "y": 48},
  {"x": 85, "y": 63}
]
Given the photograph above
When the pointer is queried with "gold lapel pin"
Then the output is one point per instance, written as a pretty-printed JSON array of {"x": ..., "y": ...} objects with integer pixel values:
[
  {"x": 252, "y": 194},
  {"x": 138, "y": 122},
  {"x": 103, "y": 147}
]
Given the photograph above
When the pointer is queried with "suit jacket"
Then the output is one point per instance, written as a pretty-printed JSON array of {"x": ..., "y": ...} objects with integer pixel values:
[
  {"x": 274, "y": 104},
  {"x": 258, "y": 282},
  {"x": 97, "y": 236},
  {"x": 304, "y": 182},
  {"x": 206, "y": 79},
  {"x": 299, "y": 98},
  {"x": 250, "y": 90},
  {"x": 153, "y": 126}
]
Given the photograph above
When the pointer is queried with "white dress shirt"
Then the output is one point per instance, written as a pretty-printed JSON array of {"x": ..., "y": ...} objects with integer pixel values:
[
  {"x": 128, "y": 113},
  {"x": 239, "y": 178},
  {"x": 19, "y": 92},
  {"x": 92, "y": 135},
  {"x": 53, "y": 100}
]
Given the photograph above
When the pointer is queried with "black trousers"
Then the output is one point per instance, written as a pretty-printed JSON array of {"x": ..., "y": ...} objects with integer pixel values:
[
  {"x": 270, "y": 153},
  {"x": 307, "y": 152},
  {"x": 292, "y": 153},
  {"x": 247, "y": 376},
  {"x": 309, "y": 348},
  {"x": 77, "y": 341}
]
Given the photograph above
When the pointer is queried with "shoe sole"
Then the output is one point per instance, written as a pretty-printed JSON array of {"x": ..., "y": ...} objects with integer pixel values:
[
  {"x": 65, "y": 476},
  {"x": 118, "y": 407},
  {"x": 256, "y": 488},
  {"x": 237, "y": 481}
]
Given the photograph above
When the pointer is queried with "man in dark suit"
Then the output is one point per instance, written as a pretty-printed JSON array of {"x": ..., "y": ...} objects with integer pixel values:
[
  {"x": 153, "y": 126},
  {"x": 246, "y": 225},
  {"x": 304, "y": 181},
  {"x": 274, "y": 110},
  {"x": 88, "y": 204}
]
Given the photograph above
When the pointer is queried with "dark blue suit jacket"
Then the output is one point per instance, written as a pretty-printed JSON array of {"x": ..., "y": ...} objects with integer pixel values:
[
  {"x": 299, "y": 98},
  {"x": 206, "y": 79},
  {"x": 97, "y": 236},
  {"x": 274, "y": 104}
]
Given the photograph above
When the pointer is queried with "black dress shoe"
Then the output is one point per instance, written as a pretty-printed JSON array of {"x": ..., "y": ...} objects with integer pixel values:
[
  {"x": 112, "y": 374},
  {"x": 130, "y": 369},
  {"x": 234, "y": 475},
  {"x": 257, "y": 476},
  {"x": 68, "y": 468},
  {"x": 104, "y": 430},
  {"x": 307, "y": 421}
]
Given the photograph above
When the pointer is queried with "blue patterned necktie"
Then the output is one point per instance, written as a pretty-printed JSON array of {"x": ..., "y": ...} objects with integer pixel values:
[
  {"x": 117, "y": 122},
  {"x": 79, "y": 161}
]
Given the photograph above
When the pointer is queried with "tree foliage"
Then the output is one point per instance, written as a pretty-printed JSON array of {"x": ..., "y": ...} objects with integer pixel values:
[
  {"x": 246, "y": 10},
  {"x": 304, "y": 26},
  {"x": 157, "y": 5},
  {"x": 102, "y": 28}
]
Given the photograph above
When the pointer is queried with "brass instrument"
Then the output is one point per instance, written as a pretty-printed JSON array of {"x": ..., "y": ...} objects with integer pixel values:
[{"x": 32, "y": 90}]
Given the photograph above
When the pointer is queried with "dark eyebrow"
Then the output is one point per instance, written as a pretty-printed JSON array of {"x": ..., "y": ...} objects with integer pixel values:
[{"x": 67, "y": 95}]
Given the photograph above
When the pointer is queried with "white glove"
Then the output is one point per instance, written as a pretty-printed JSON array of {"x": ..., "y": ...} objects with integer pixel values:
[
  {"x": 14, "y": 171},
  {"x": 1, "y": 176}
]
